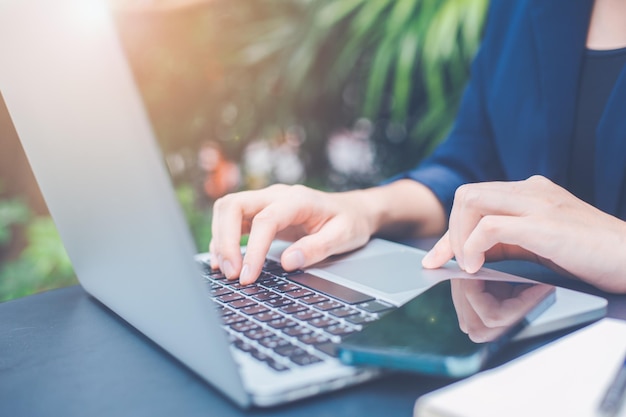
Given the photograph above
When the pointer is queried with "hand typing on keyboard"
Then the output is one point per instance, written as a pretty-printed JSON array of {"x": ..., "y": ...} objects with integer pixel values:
[
  {"x": 319, "y": 223},
  {"x": 290, "y": 319}
]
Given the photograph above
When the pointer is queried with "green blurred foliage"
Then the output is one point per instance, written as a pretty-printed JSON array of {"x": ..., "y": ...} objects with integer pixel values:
[
  {"x": 234, "y": 71},
  {"x": 43, "y": 264},
  {"x": 394, "y": 61},
  {"x": 198, "y": 218},
  {"x": 13, "y": 212}
]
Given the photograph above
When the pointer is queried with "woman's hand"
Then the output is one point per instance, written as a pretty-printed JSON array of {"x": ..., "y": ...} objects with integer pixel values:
[
  {"x": 535, "y": 220},
  {"x": 319, "y": 223}
]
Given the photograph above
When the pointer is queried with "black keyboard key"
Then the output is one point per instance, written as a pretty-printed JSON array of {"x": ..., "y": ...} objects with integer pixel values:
[
  {"x": 281, "y": 323},
  {"x": 244, "y": 326},
  {"x": 267, "y": 316},
  {"x": 323, "y": 322},
  {"x": 360, "y": 319},
  {"x": 254, "y": 309},
  {"x": 289, "y": 350},
  {"x": 264, "y": 277},
  {"x": 206, "y": 266},
  {"x": 258, "y": 334},
  {"x": 341, "y": 293},
  {"x": 313, "y": 339},
  {"x": 293, "y": 308},
  {"x": 375, "y": 306},
  {"x": 253, "y": 289},
  {"x": 216, "y": 275},
  {"x": 328, "y": 348},
  {"x": 286, "y": 274},
  {"x": 244, "y": 346},
  {"x": 313, "y": 299},
  {"x": 297, "y": 331},
  {"x": 340, "y": 330},
  {"x": 344, "y": 312},
  {"x": 277, "y": 366},
  {"x": 242, "y": 303},
  {"x": 274, "y": 341},
  {"x": 273, "y": 282},
  {"x": 287, "y": 287},
  {"x": 232, "y": 319},
  {"x": 260, "y": 356},
  {"x": 225, "y": 311},
  {"x": 328, "y": 305},
  {"x": 279, "y": 302},
  {"x": 307, "y": 315},
  {"x": 220, "y": 291},
  {"x": 220, "y": 278},
  {"x": 230, "y": 297},
  {"x": 266, "y": 295},
  {"x": 236, "y": 285},
  {"x": 305, "y": 359},
  {"x": 302, "y": 292},
  {"x": 271, "y": 265}
]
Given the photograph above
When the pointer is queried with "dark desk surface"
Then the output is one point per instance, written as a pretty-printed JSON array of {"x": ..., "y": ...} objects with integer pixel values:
[{"x": 62, "y": 353}]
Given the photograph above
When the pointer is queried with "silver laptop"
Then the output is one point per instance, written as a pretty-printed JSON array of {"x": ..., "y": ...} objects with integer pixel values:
[{"x": 78, "y": 113}]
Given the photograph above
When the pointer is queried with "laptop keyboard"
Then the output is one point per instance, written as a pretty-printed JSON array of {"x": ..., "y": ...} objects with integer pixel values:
[{"x": 290, "y": 319}]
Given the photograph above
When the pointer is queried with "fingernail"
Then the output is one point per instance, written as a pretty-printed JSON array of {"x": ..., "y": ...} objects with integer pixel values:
[
  {"x": 227, "y": 269},
  {"x": 427, "y": 258},
  {"x": 472, "y": 267},
  {"x": 244, "y": 276},
  {"x": 293, "y": 260}
]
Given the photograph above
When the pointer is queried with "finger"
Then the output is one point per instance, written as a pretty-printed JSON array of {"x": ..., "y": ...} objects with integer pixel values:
[
  {"x": 235, "y": 213},
  {"x": 292, "y": 233},
  {"x": 213, "y": 259},
  {"x": 493, "y": 230},
  {"x": 287, "y": 214},
  {"x": 439, "y": 254},
  {"x": 331, "y": 239},
  {"x": 474, "y": 201},
  {"x": 265, "y": 226},
  {"x": 226, "y": 228},
  {"x": 515, "y": 198},
  {"x": 462, "y": 219},
  {"x": 230, "y": 216}
]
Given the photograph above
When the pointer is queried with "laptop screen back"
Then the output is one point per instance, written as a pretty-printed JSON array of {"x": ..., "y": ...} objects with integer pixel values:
[{"x": 77, "y": 111}]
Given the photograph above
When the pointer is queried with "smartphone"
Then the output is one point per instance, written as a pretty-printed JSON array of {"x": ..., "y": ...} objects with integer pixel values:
[{"x": 451, "y": 329}]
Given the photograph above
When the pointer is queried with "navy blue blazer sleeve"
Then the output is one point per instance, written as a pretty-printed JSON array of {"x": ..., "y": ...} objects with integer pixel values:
[
  {"x": 469, "y": 152},
  {"x": 516, "y": 117}
]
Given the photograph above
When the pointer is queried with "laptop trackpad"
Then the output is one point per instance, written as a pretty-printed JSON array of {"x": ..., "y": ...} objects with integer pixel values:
[{"x": 391, "y": 273}]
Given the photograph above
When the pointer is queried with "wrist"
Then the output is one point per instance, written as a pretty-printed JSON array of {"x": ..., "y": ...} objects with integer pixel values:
[{"x": 401, "y": 208}]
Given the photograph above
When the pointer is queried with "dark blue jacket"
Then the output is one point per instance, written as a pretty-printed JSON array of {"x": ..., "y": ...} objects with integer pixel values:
[{"x": 516, "y": 117}]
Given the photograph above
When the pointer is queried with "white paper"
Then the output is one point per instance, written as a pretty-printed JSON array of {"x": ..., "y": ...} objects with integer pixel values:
[{"x": 565, "y": 378}]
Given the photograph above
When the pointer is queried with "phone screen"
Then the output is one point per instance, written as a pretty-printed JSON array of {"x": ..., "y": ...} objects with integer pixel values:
[{"x": 450, "y": 329}]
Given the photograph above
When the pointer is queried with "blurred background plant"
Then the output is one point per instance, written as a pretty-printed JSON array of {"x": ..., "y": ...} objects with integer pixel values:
[
  {"x": 42, "y": 264},
  {"x": 336, "y": 94}
]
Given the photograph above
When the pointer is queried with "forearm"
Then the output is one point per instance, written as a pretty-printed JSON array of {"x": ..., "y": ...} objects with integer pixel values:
[{"x": 402, "y": 208}]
